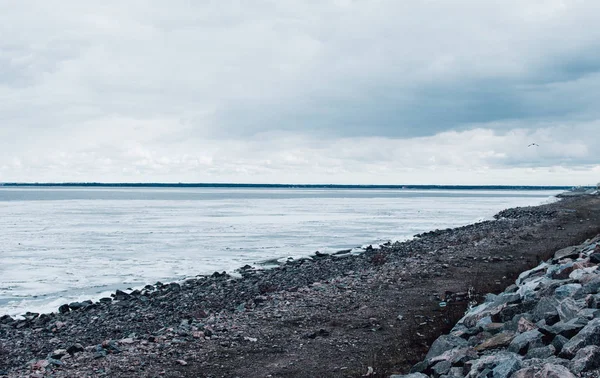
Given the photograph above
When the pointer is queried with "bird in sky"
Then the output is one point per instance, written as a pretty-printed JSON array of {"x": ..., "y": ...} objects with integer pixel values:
[{"x": 533, "y": 144}]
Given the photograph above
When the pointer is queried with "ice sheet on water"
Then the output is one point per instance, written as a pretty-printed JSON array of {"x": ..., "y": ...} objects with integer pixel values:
[{"x": 72, "y": 244}]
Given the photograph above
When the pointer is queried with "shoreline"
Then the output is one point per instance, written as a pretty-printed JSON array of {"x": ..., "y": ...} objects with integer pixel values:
[
  {"x": 353, "y": 312},
  {"x": 49, "y": 303}
]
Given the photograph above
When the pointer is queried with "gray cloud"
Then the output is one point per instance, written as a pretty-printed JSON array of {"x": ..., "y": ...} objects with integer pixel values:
[{"x": 129, "y": 86}]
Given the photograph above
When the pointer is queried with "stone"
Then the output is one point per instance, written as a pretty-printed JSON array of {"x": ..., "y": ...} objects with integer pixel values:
[
  {"x": 568, "y": 309},
  {"x": 105, "y": 300},
  {"x": 526, "y": 340},
  {"x": 75, "y": 348},
  {"x": 493, "y": 327},
  {"x": 595, "y": 258},
  {"x": 528, "y": 372},
  {"x": 55, "y": 362},
  {"x": 525, "y": 325},
  {"x": 565, "y": 291},
  {"x": 536, "y": 272},
  {"x": 564, "y": 271},
  {"x": 412, "y": 375},
  {"x": 80, "y": 305},
  {"x": 121, "y": 295},
  {"x": 483, "y": 367},
  {"x": 443, "y": 344},
  {"x": 420, "y": 367},
  {"x": 508, "y": 312},
  {"x": 111, "y": 346},
  {"x": 40, "y": 364},
  {"x": 586, "y": 359},
  {"x": 589, "y": 335},
  {"x": 58, "y": 354},
  {"x": 500, "y": 340},
  {"x": 442, "y": 367},
  {"x": 64, "y": 309},
  {"x": 568, "y": 252},
  {"x": 454, "y": 356},
  {"x": 541, "y": 352},
  {"x": 558, "y": 342},
  {"x": 6, "y": 319},
  {"x": 545, "y": 308},
  {"x": 583, "y": 274},
  {"x": 506, "y": 368},
  {"x": 568, "y": 329},
  {"x": 555, "y": 371}
]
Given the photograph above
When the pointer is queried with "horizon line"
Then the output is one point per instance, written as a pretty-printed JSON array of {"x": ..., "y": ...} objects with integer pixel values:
[{"x": 280, "y": 185}]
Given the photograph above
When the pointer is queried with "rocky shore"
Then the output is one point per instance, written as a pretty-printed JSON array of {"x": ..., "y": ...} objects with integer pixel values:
[
  {"x": 340, "y": 315},
  {"x": 547, "y": 324}
]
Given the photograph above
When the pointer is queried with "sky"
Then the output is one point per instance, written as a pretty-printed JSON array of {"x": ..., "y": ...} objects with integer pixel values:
[{"x": 327, "y": 91}]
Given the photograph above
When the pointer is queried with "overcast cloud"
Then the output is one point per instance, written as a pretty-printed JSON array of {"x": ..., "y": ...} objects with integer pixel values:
[{"x": 328, "y": 91}]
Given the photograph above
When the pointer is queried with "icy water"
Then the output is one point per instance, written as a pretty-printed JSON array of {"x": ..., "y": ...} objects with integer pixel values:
[{"x": 59, "y": 245}]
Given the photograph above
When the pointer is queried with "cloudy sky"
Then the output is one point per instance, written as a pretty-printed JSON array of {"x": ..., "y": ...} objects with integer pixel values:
[{"x": 312, "y": 91}]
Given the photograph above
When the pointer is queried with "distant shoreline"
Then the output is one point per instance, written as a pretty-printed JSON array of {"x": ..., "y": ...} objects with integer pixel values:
[{"x": 282, "y": 186}]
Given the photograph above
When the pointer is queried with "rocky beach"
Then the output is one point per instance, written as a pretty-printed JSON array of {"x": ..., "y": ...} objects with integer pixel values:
[{"x": 344, "y": 315}]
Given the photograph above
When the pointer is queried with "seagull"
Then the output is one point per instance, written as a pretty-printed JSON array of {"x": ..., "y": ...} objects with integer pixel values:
[{"x": 533, "y": 144}]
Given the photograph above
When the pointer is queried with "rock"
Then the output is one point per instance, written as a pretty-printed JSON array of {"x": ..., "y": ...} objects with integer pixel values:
[
  {"x": 595, "y": 258},
  {"x": 6, "y": 319},
  {"x": 457, "y": 356},
  {"x": 567, "y": 330},
  {"x": 412, "y": 375},
  {"x": 442, "y": 367},
  {"x": 589, "y": 335},
  {"x": 564, "y": 271},
  {"x": 558, "y": 342},
  {"x": 568, "y": 309},
  {"x": 554, "y": 371},
  {"x": 313, "y": 335},
  {"x": 506, "y": 368},
  {"x": 526, "y": 340},
  {"x": 182, "y": 362},
  {"x": 493, "y": 327},
  {"x": 105, "y": 300},
  {"x": 111, "y": 346},
  {"x": 541, "y": 352},
  {"x": 121, "y": 295},
  {"x": 40, "y": 364},
  {"x": 506, "y": 362},
  {"x": 510, "y": 311},
  {"x": 55, "y": 362},
  {"x": 501, "y": 340},
  {"x": 528, "y": 372},
  {"x": 443, "y": 344},
  {"x": 568, "y": 252},
  {"x": 75, "y": 348},
  {"x": 58, "y": 354},
  {"x": 545, "y": 308},
  {"x": 586, "y": 359},
  {"x": 63, "y": 309},
  {"x": 567, "y": 290},
  {"x": 525, "y": 325},
  {"x": 80, "y": 305}
]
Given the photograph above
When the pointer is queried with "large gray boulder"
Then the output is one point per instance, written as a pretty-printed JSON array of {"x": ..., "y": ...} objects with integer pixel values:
[
  {"x": 526, "y": 340},
  {"x": 443, "y": 344},
  {"x": 589, "y": 335},
  {"x": 586, "y": 358}
]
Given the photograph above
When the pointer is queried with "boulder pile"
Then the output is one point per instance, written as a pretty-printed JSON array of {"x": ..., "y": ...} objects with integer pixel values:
[{"x": 547, "y": 324}]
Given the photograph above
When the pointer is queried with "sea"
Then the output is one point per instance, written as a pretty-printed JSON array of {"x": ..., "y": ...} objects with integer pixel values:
[{"x": 64, "y": 244}]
